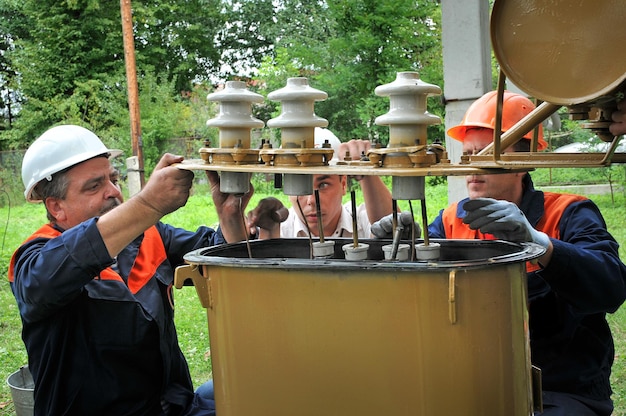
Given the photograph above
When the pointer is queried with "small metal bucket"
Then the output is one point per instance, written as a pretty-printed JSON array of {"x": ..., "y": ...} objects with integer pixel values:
[{"x": 22, "y": 387}]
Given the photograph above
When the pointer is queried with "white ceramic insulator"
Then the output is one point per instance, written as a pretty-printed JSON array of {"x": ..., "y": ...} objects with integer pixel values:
[
  {"x": 430, "y": 252},
  {"x": 297, "y": 120},
  {"x": 325, "y": 250},
  {"x": 402, "y": 253},
  {"x": 235, "y": 120},
  {"x": 357, "y": 253},
  {"x": 408, "y": 117}
]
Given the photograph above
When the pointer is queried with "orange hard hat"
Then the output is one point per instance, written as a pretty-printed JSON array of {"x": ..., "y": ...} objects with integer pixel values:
[{"x": 482, "y": 113}]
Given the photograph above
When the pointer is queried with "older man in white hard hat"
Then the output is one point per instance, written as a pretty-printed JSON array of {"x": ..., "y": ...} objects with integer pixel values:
[{"x": 93, "y": 285}]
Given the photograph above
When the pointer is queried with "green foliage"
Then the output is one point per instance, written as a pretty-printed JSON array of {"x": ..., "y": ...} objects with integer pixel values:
[
  {"x": 248, "y": 33},
  {"x": 179, "y": 38},
  {"x": 574, "y": 176},
  {"x": 63, "y": 51},
  {"x": 11, "y": 187},
  {"x": 69, "y": 57},
  {"x": 70, "y": 61},
  {"x": 89, "y": 36},
  {"x": 348, "y": 48},
  {"x": 163, "y": 117}
]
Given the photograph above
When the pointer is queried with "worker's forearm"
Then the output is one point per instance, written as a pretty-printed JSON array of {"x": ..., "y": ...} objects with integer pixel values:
[
  {"x": 123, "y": 224},
  {"x": 376, "y": 196}
]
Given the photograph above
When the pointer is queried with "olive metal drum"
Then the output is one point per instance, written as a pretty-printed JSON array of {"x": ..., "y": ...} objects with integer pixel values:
[
  {"x": 561, "y": 51},
  {"x": 291, "y": 335}
]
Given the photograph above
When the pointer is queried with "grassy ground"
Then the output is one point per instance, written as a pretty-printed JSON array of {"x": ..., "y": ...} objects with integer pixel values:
[{"x": 18, "y": 222}]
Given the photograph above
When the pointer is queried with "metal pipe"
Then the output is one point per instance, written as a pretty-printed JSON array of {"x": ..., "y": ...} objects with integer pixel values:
[
  {"x": 515, "y": 133},
  {"x": 424, "y": 221},
  {"x": 355, "y": 227},
  {"x": 318, "y": 213}
]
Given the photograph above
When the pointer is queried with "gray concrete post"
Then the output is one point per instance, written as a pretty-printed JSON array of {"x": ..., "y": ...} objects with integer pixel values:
[{"x": 466, "y": 69}]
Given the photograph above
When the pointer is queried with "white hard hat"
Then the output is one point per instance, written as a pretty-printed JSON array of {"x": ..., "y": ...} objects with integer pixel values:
[
  {"x": 57, "y": 149},
  {"x": 322, "y": 134}
]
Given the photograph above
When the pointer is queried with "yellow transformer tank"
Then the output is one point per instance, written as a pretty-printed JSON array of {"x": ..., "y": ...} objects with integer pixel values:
[{"x": 295, "y": 336}]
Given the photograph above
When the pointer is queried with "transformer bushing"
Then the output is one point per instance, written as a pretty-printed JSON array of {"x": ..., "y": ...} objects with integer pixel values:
[
  {"x": 297, "y": 122},
  {"x": 408, "y": 120},
  {"x": 235, "y": 122}
]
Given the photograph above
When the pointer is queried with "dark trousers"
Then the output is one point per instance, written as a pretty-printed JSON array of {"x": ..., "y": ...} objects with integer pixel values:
[{"x": 563, "y": 404}]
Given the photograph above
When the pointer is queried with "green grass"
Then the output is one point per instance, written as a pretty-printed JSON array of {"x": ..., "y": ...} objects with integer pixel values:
[
  {"x": 579, "y": 176},
  {"x": 18, "y": 223}
]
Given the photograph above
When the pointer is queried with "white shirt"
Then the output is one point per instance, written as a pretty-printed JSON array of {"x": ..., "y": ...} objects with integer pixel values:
[{"x": 294, "y": 227}]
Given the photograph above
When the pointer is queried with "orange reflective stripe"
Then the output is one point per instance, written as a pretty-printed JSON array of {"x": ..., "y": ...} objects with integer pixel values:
[
  {"x": 110, "y": 274},
  {"x": 532, "y": 266},
  {"x": 150, "y": 255},
  {"x": 457, "y": 229},
  {"x": 553, "y": 205},
  {"x": 46, "y": 231}
]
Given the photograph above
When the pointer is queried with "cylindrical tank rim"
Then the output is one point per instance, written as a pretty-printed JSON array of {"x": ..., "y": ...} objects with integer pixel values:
[{"x": 510, "y": 253}]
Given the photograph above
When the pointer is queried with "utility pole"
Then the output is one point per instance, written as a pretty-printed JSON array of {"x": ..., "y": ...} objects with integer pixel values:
[{"x": 134, "y": 164}]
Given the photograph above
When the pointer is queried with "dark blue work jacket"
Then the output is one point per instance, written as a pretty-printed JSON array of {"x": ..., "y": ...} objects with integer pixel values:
[
  {"x": 99, "y": 342},
  {"x": 568, "y": 299}
]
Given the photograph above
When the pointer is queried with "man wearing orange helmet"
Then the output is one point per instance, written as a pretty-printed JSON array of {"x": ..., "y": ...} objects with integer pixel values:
[
  {"x": 578, "y": 280},
  {"x": 482, "y": 115}
]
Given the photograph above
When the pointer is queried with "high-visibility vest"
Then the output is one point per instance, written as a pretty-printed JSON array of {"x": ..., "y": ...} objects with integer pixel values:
[
  {"x": 554, "y": 205},
  {"x": 150, "y": 255}
]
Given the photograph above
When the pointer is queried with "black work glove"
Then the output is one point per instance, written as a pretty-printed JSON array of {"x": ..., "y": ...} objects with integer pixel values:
[
  {"x": 503, "y": 219},
  {"x": 383, "y": 227}
]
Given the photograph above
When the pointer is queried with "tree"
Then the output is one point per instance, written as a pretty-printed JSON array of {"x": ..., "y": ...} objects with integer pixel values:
[
  {"x": 12, "y": 24},
  {"x": 58, "y": 46},
  {"x": 349, "y": 47},
  {"x": 247, "y": 36},
  {"x": 69, "y": 58},
  {"x": 178, "y": 39},
  {"x": 69, "y": 63},
  {"x": 9, "y": 98}
]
